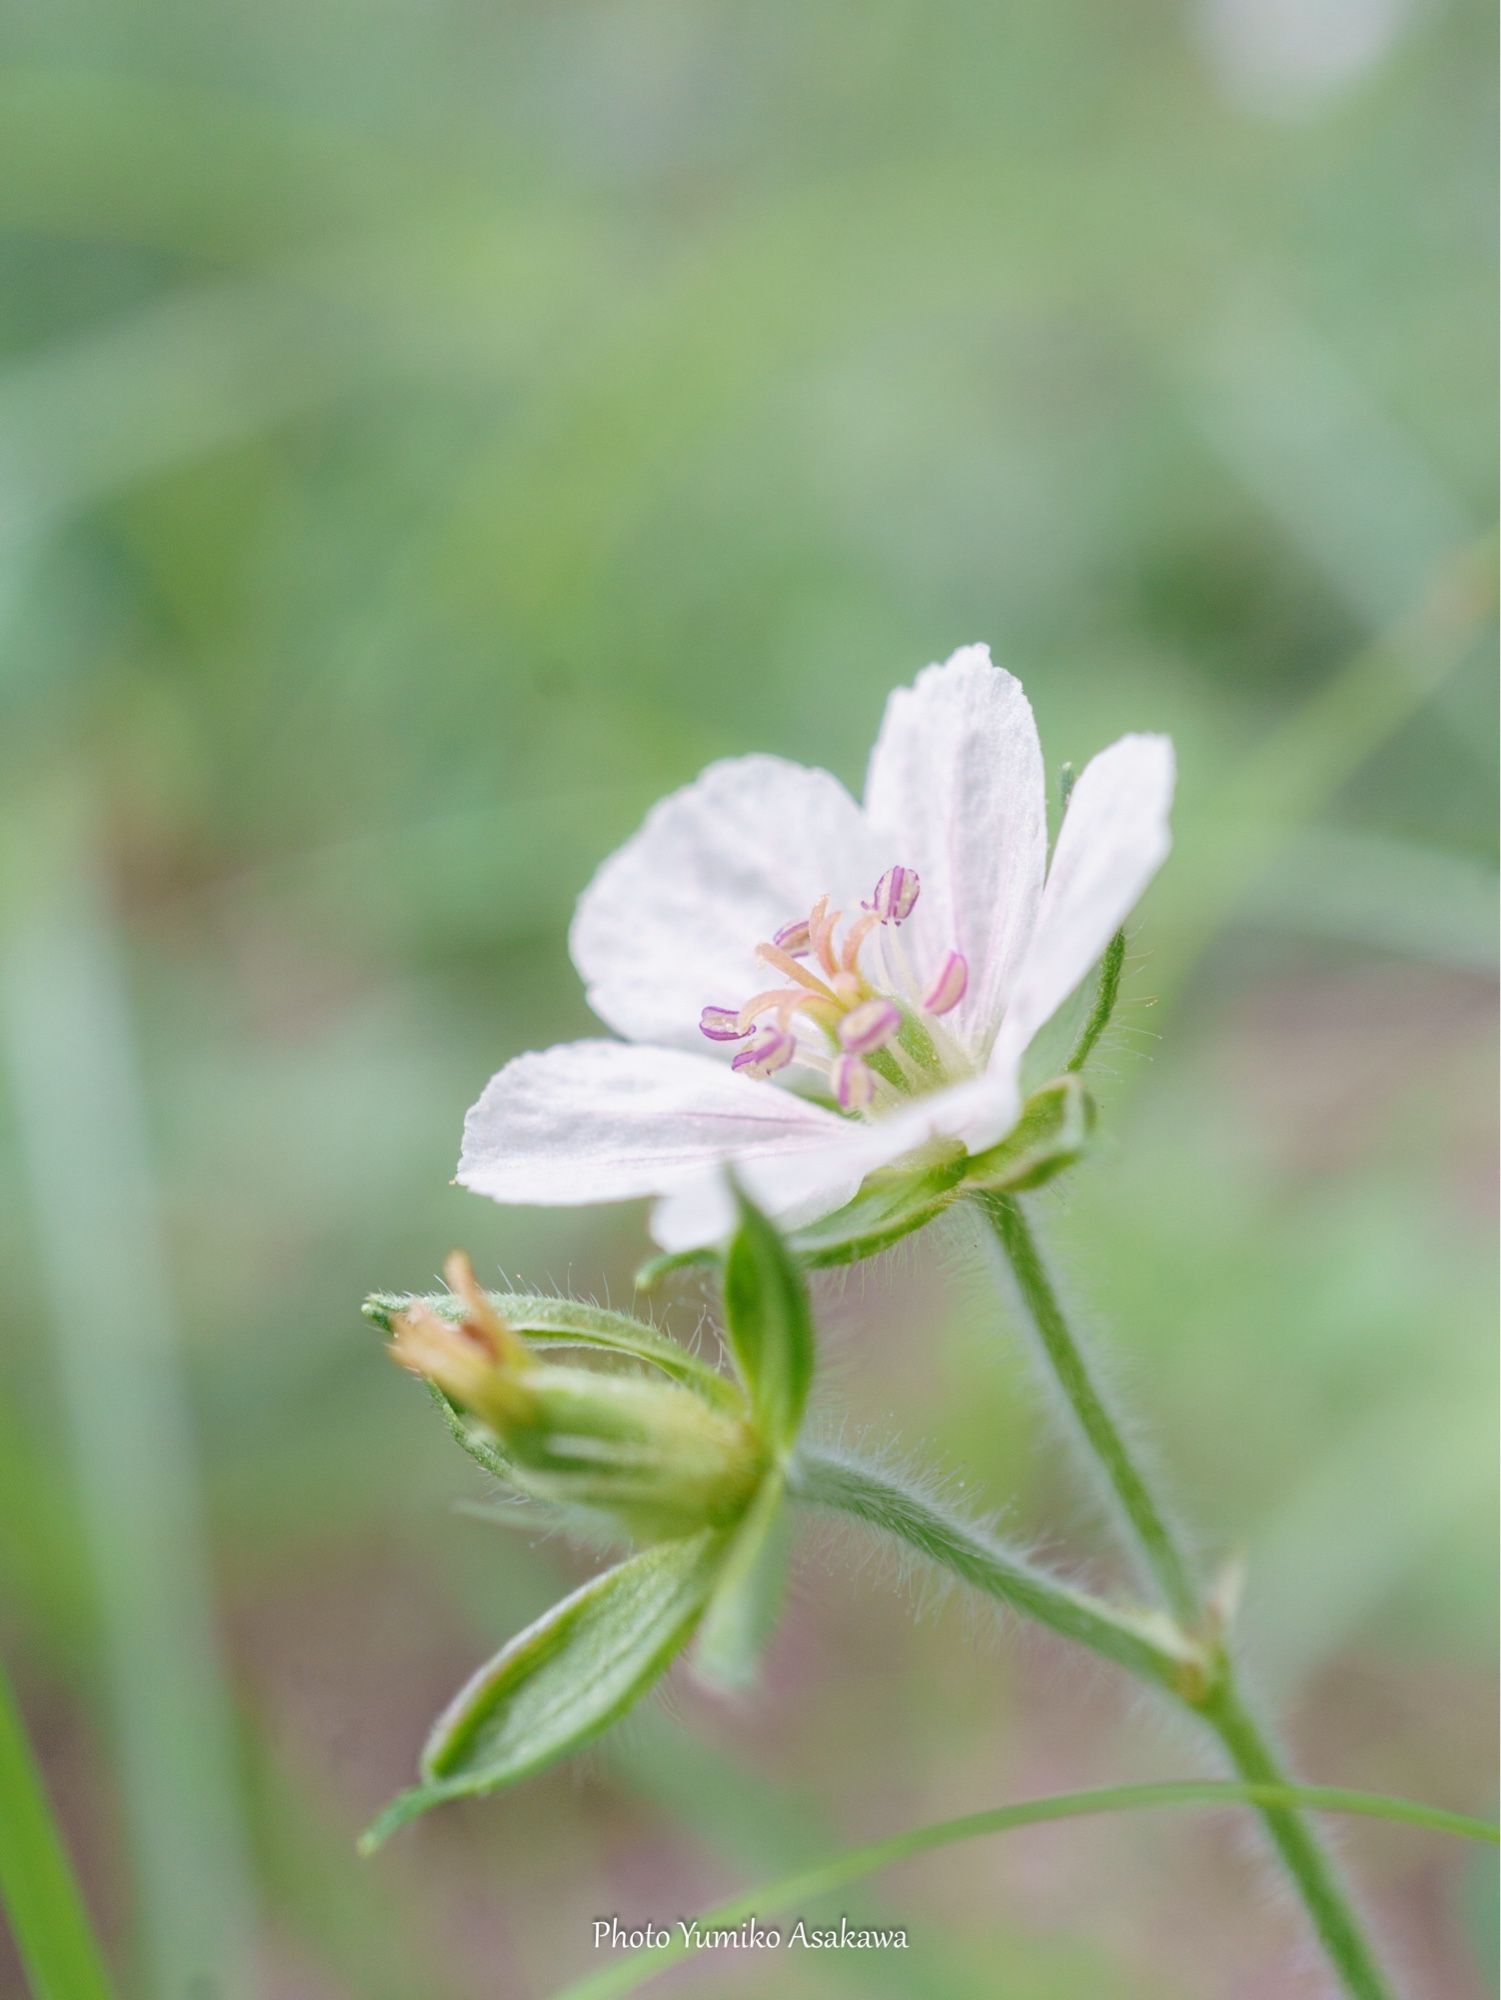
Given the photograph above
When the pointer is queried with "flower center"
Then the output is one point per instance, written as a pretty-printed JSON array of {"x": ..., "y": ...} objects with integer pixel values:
[{"x": 850, "y": 1008}]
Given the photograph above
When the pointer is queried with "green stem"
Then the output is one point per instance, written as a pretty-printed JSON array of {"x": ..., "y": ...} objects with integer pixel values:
[
  {"x": 1087, "y": 1403},
  {"x": 1218, "y": 1701},
  {"x": 1150, "y": 1647},
  {"x": 1300, "y": 1848}
]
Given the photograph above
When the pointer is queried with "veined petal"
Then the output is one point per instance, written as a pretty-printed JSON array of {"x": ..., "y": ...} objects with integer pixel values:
[
  {"x": 1114, "y": 838},
  {"x": 602, "y": 1121},
  {"x": 956, "y": 791},
  {"x": 671, "y": 922},
  {"x": 797, "y": 1187}
]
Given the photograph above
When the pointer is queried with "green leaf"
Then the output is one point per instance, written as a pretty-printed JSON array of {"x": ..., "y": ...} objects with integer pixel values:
[
  {"x": 1052, "y": 1132},
  {"x": 768, "y": 1325},
  {"x": 796, "y": 1892},
  {"x": 553, "y": 1323},
  {"x": 47, "y": 1917},
  {"x": 748, "y": 1595},
  {"x": 565, "y": 1678}
]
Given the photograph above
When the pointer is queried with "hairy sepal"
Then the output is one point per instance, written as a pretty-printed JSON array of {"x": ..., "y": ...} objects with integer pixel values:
[
  {"x": 549, "y": 1323},
  {"x": 1052, "y": 1133}
]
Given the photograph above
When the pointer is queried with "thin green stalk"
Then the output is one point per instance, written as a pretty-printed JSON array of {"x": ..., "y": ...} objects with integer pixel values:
[
  {"x": 797, "y": 1892},
  {"x": 1148, "y": 1524},
  {"x": 1149, "y": 1646},
  {"x": 1218, "y": 1701},
  {"x": 47, "y": 1915}
]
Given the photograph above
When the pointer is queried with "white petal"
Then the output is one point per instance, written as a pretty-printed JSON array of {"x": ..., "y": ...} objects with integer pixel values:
[
  {"x": 1114, "y": 838},
  {"x": 794, "y": 1188},
  {"x": 670, "y": 923},
  {"x": 602, "y": 1121},
  {"x": 956, "y": 791}
]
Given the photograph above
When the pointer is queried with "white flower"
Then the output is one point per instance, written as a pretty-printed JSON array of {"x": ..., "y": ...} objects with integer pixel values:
[{"x": 812, "y": 988}]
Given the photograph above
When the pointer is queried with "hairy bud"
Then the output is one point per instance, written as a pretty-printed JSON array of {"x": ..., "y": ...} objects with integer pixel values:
[{"x": 652, "y": 1452}]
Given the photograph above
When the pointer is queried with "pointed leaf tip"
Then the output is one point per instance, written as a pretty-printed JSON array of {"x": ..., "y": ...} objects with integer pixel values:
[{"x": 565, "y": 1678}]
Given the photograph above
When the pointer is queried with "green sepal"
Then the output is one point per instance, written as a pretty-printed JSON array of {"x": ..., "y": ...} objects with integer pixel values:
[
  {"x": 768, "y": 1326},
  {"x": 1052, "y": 1132},
  {"x": 892, "y": 1203},
  {"x": 565, "y": 1678},
  {"x": 743, "y": 1609},
  {"x": 548, "y": 1323}
]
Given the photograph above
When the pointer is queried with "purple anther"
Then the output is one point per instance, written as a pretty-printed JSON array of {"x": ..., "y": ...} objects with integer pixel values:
[
  {"x": 950, "y": 984},
  {"x": 795, "y": 939},
  {"x": 896, "y": 895},
  {"x": 722, "y": 1024},
  {"x": 767, "y": 1054},
  {"x": 854, "y": 1084},
  {"x": 870, "y": 1026}
]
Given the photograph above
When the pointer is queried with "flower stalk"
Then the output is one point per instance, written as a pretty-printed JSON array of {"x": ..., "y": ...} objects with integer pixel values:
[
  {"x": 1216, "y": 1699},
  {"x": 1146, "y": 1644}
]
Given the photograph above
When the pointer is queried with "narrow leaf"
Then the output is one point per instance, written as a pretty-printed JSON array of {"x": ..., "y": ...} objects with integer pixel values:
[
  {"x": 566, "y": 1677},
  {"x": 796, "y": 1892},
  {"x": 743, "y": 1608},
  {"x": 769, "y": 1327},
  {"x": 47, "y": 1917}
]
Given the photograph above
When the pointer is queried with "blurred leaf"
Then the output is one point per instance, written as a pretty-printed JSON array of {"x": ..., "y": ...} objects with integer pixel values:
[
  {"x": 48, "y": 1919},
  {"x": 565, "y": 1678},
  {"x": 768, "y": 1325}
]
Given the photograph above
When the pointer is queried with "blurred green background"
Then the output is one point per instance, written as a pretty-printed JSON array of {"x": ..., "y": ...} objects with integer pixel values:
[{"x": 430, "y": 432}]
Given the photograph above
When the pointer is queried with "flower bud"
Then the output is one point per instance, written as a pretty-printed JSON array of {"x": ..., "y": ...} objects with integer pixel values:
[{"x": 649, "y": 1451}]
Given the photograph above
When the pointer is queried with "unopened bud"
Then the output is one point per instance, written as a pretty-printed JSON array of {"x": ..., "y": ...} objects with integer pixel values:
[{"x": 651, "y": 1452}]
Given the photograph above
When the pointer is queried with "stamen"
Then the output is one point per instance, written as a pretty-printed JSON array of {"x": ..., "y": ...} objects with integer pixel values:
[
  {"x": 854, "y": 1084},
  {"x": 766, "y": 1055},
  {"x": 855, "y": 936},
  {"x": 773, "y": 955},
  {"x": 896, "y": 895},
  {"x": 825, "y": 922},
  {"x": 950, "y": 984},
  {"x": 794, "y": 938},
  {"x": 787, "y": 1001},
  {"x": 869, "y": 1027},
  {"x": 721, "y": 1024}
]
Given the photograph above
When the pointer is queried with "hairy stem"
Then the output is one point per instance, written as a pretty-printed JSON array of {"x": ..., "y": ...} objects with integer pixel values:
[
  {"x": 1148, "y": 1646},
  {"x": 1147, "y": 1524},
  {"x": 1217, "y": 1700}
]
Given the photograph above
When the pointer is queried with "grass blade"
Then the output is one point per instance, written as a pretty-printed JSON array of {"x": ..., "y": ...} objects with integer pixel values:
[
  {"x": 47, "y": 1917},
  {"x": 628, "y": 1975}
]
